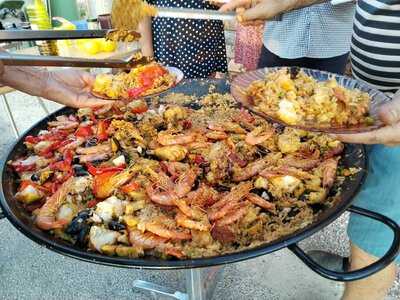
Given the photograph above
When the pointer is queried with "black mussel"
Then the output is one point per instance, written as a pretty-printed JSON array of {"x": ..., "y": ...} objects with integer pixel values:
[
  {"x": 75, "y": 160},
  {"x": 161, "y": 127},
  {"x": 116, "y": 226},
  {"x": 85, "y": 214},
  {"x": 82, "y": 236},
  {"x": 35, "y": 177},
  {"x": 196, "y": 184},
  {"x": 85, "y": 118},
  {"x": 78, "y": 223},
  {"x": 221, "y": 188},
  {"x": 75, "y": 226},
  {"x": 317, "y": 207},
  {"x": 91, "y": 142},
  {"x": 80, "y": 170},
  {"x": 293, "y": 212},
  {"x": 131, "y": 117},
  {"x": 262, "y": 151},
  {"x": 194, "y": 105},
  {"x": 303, "y": 139},
  {"x": 294, "y": 71}
]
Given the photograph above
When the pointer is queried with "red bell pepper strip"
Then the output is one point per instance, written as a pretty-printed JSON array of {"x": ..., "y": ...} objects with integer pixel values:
[
  {"x": 84, "y": 131},
  {"x": 102, "y": 127},
  {"x": 135, "y": 92},
  {"x": 101, "y": 170},
  {"x": 92, "y": 203},
  {"x": 18, "y": 167},
  {"x": 130, "y": 187},
  {"x": 64, "y": 165}
]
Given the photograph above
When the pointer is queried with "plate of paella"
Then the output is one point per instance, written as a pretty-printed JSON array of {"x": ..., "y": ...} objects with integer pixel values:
[
  {"x": 310, "y": 99},
  {"x": 146, "y": 80}
]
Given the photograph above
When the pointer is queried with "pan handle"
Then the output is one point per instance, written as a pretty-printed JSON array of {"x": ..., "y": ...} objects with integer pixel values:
[{"x": 366, "y": 271}]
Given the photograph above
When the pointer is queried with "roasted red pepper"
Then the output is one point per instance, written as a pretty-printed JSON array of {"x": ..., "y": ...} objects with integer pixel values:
[
  {"x": 25, "y": 183},
  {"x": 135, "y": 92},
  {"x": 130, "y": 187},
  {"x": 138, "y": 106},
  {"x": 65, "y": 164},
  {"x": 84, "y": 131},
  {"x": 18, "y": 167},
  {"x": 92, "y": 203},
  {"x": 102, "y": 127},
  {"x": 101, "y": 170}
]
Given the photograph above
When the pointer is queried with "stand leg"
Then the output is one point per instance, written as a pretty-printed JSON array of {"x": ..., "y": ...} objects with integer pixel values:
[{"x": 200, "y": 285}]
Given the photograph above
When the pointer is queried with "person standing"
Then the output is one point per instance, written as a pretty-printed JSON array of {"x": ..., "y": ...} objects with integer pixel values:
[
  {"x": 197, "y": 47},
  {"x": 316, "y": 37}
]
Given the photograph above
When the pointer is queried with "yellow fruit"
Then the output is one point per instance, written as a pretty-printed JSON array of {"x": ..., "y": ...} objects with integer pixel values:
[
  {"x": 91, "y": 47},
  {"x": 108, "y": 46}
]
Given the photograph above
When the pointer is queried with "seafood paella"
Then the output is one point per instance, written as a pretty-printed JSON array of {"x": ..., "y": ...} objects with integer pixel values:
[
  {"x": 195, "y": 179},
  {"x": 299, "y": 99},
  {"x": 138, "y": 82}
]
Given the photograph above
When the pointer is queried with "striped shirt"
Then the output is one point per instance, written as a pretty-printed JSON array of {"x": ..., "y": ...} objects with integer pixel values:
[
  {"x": 375, "y": 49},
  {"x": 318, "y": 31}
]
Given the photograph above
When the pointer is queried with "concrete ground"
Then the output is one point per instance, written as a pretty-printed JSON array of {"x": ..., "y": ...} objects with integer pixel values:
[{"x": 28, "y": 271}]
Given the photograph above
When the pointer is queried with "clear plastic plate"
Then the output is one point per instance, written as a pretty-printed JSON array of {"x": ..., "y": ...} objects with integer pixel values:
[{"x": 241, "y": 82}]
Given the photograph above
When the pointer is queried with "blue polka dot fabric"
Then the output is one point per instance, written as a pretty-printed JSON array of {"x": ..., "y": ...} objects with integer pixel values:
[{"x": 197, "y": 47}]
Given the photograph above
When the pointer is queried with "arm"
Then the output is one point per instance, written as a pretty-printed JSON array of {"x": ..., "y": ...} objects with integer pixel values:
[
  {"x": 146, "y": 40},
  {"x": 68, "y": 87},
  {"x": 267, "y": 9}
]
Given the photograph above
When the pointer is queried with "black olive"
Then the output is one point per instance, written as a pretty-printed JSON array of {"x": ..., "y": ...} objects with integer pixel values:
[
  {"x": 116, "y": 226},
  {"x": 80, "y": 170},
  {"x": 258, "y": 192},
  {"x": 91, "y": 142},
  {"x": 303, "y": 139},
  {"x": 222, "y": 188},
  {"x": 35, "y": 177},
  {"x": 194, "y": 105},
  {"x": 75, "y": 160},
  {"x": 82, "y": 236}
]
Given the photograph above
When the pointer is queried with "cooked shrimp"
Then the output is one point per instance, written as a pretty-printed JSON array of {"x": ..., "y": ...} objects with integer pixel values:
[
  {"x": 160, "y": 230},
  {"x": 329, "y": 168},
  {"x": 46, "y": 218},
  {"x": 185, "y": 182},
  {"x": 93, "y": 157},
  {"x": 235, "y": 195},
  {"x": 238, "y": 212},
  {"x": 103, "y": 148},
  {"x": 187, "y": 210},
  {"x": 184, "y": 221},
  {"x": 338, "y": 149},
  {"x": 298, "y": 162},
  {"x": 167, "y": 139},
  {"x": 279, "y": 171},
  {"x": 163, "y": 198},
  {"x": 259, "y": 201},
  {"x": 216, "y": 135},
  {"x": 151, "y": 241},
  {"x": 64, "y": 125},
  {"x": 252, "y": 169},
  {"x": 73, "y": 145},
  {"x": 216, "y": 126},
  {"x": 258, "y": 136},
  {"x": 146, "y": 240},
  {"x": 160, "y": 179}
]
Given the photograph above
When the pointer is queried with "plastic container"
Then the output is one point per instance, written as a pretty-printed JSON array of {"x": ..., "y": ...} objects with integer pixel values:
[
  {"x": 67, "y": 9},
  {"x": 39, "y": 18}
]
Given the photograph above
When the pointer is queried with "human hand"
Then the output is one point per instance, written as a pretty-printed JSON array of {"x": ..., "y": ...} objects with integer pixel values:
[
  {"x": 259, "y": 10},
  {"x": 388, "y": 135},
  {"x": 71, "y": 88}
]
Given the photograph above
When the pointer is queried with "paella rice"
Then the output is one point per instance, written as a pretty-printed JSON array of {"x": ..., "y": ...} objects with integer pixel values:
[
  {"x": 302, "y": 100},
  {"x": 174, "y": 181}
]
